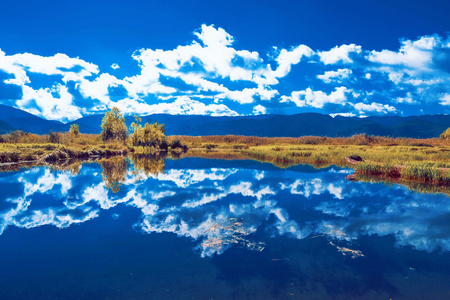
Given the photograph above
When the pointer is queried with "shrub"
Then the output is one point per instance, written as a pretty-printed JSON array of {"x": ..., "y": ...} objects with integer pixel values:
[{"x": 445, "y": 134}]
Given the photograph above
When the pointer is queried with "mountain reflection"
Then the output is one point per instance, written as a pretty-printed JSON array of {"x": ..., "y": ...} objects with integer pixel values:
[{"x": 226, "y": 206}]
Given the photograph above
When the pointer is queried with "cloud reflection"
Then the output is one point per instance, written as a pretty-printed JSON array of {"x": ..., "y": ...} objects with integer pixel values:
[{"x": 201, "y": 204}]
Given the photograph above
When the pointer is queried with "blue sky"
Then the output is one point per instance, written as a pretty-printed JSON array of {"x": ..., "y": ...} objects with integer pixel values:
[{"x": 64, "y": 60}]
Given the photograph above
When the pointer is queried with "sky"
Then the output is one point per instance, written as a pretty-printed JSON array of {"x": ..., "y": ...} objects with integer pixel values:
[{"x": 62, "y": 60}]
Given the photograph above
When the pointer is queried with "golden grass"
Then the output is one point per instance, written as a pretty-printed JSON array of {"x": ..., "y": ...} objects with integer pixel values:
[
  {"x": 230, "y": 141},
  {"x": 20, "y": 147},
  {"x": 422, "y": 160}
]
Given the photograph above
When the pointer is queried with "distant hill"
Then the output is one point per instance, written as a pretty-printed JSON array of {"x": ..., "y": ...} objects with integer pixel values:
[
  {"x": 288, "y": 125},
  {"x": 5, "y": 127},
  {"x": 17, "y": 119},
  {"x": 426, "y": 126}
]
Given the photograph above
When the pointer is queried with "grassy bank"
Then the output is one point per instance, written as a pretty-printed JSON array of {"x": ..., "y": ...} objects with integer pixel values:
[
  {"x": 24, "y": 147},
  {"x": 424, "y": 161},
  {"x": 397, "y": 159},
  {"x": 19, "y": 147}
]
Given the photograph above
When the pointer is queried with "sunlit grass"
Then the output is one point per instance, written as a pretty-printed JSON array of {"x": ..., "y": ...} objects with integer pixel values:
[{"x": 424, "y": 160}]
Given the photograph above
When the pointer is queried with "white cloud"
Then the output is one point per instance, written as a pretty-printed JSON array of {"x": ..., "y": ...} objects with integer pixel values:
[
  {"x": 339, "y": 54},
  {"x": 98, "y": 89},
  {"x": 73, "y": 69},
  {"x": 44, "y": 103},
  {"x": 317, "y": 99},
  {"x": 200, "y": 77},
  {"x": 335, "y": 76},
  {"x": 445, "y": 100},
  {"x": 413, "y": 54},
  {"x": 408, "y": 99},
  {"x": 288, "y": 58},
  {"x": 375, "y": 107},
  {"x": 343, "y": 115},
  {"x": 182, "y": 105},
  {"x": 259, "y": 110}
]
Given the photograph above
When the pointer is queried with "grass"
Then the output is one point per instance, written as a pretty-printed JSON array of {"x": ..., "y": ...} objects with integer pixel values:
[
  {"x": 414, "y": 160},
  {"x": 11, "y": 153},
  {"x": 19, "y": 146},
  {"x": 401, "y": 159}
]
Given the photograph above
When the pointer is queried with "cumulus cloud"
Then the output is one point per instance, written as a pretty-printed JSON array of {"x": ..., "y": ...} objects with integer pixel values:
[
  {"x": 259, "y": 110},
  {"x": 207, "y": 74},
  {"x": 287, "y": 58},
  {"x": 374, "y": 107},
  {"x": 60, "y": 64},
  {"x": 181, "y": 106},
  {"x": 317, "y": 99},
  {"x": 445, "y": 100},
  {"x": 339, "y": 54},
  {"x": 336, "y": 76}
]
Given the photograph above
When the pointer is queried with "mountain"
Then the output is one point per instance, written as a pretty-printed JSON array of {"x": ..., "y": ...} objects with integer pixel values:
[
  {"x": 288, "y": 125},
  {"x": 5, "y": 127},
  {"x": 426, "y": 126},
  {"x": 16, "y": 119}
]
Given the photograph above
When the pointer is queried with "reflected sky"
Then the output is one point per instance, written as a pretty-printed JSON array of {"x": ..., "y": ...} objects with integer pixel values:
[
  {"x": 192, "y": 228},
  {"x": 193, "y": 197}
]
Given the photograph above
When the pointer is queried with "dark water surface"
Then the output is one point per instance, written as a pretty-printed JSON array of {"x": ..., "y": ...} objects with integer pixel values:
[{"x": 215, "y": 229}]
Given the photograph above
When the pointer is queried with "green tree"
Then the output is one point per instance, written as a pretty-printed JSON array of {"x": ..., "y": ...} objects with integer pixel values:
[
  {"x": 446, "y": 134},
  {"x": 113, "y": 126},
  {"x": 75, "y": 130}
]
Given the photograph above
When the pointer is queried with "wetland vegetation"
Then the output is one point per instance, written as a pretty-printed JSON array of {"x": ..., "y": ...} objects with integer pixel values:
[{"x": 402, "y": 160}]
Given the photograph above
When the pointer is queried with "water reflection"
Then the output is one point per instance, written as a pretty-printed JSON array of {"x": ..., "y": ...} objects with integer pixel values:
[
  {"x": 114, "y": 172},
  {"x": 226, "y": 205},
  {"x": 147, "y": 164}
]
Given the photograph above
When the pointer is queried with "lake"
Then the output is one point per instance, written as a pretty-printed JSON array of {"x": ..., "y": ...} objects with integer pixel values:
[{"x": 194, "y": 228}]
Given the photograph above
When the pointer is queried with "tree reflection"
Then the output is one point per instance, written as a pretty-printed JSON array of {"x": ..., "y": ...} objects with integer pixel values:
[
  {"x": 114, "y": 172},
  {"x": 148, "y": 164}
]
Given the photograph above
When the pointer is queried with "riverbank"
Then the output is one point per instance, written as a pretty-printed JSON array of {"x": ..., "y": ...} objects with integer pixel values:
[
  {"x": 49, "y": 152},
  {"x": 395, "y": 159},
  {"x": 424, "y": 161}
]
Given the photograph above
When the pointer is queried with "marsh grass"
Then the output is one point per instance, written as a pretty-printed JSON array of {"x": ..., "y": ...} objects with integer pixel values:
[
  {"x": 423, "y": 160},
  {"x": 419, "y": 160},
  {"x": 19, "y": 147}
]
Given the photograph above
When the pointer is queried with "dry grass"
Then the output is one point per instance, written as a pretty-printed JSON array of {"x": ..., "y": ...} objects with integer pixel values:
[
  {"x": 424, "y": 160},
  {"x": 420, "y": 160},
  {"x": 19, "y": 146}
]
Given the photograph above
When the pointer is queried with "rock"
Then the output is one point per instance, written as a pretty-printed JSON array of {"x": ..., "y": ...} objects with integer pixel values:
[
  {"x": 355, "y": 157},
  {"x": 351, "y": 177}
]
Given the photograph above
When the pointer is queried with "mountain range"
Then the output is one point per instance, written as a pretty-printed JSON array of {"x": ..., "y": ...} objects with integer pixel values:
[{"x": 425, "y": 126}]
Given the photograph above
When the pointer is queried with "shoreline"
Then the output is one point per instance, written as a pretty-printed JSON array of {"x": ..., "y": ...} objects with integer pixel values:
[{"x": 395, "y": 160}]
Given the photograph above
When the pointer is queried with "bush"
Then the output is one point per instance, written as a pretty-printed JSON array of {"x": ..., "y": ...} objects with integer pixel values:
[
  {"x": 53, "y": 137},
  {"x": 445, "y": 134}
]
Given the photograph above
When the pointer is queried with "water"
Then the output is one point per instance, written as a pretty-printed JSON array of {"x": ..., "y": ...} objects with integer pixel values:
[{"x": 215, "y": 229}]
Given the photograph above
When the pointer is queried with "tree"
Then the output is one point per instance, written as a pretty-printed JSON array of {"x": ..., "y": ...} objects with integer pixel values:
[
  {"x": 446, "y": 134},
  {"x": 113, "y": 126},
  {"x": 53, "y": 137},
  {"x": 135, "y": 127},
  {"x": 151, "y": 135},
  {"x": 75, "y": 130}
]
